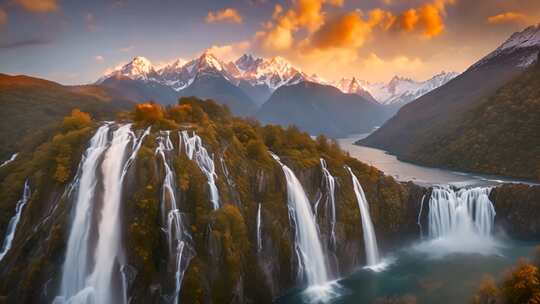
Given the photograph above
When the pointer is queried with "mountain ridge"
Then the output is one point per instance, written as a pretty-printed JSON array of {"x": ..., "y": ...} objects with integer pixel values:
[{"x": 423, "y": 124}]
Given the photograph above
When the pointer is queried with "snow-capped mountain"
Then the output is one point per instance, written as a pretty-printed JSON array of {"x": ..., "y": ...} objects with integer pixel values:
[
  {"x": 179, "y": 74},
  {"x": 260, "y": 77},
  {"x": 399, "y": 90},
  {"x": 524, "y": 45},
  {"x": 273, "y": 72}
]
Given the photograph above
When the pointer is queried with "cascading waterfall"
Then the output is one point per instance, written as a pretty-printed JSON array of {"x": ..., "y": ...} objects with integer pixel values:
[
  {"x": 259, "y": 223},
  {"x": 178, "y": 237},
  {"x": 92, "y": 274},
  {"x": 78, "y": 254},
  {"x": 108, "y": 247},
  {"x": 11, "y": 159},
  {"x": 460, "y": 221},
  {"x": 307, "y": 244},
  {"x": 370, "y": 240},
  {"x": 196, "y": 151},
  {"x": 462, "y": 212},
  {"x": 419, "y": 219},
  {"x": 14, "y": 221},
  {"x": 330, "y": 185}
]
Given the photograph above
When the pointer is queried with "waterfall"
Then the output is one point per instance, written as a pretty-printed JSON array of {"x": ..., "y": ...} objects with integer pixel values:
[
  {"x": 12, "y": 158},
  {"x": 77, "y": 254},
  {"x": 330, "y": 185},
  {"x": 307, "y": 244},
  {"x": 14, "y": 221},
  {"x": 196, "y": 151},
  {"x": 108, "y": 247},
  {"x": 419, "y": 219},
  {"x": 462, "y": 212},
  {"x": 92, "y": 272},
  {"x": 178, "y": 237},
  {"x": 370, "y": 240},
  {"x": 259, "y": 239}
]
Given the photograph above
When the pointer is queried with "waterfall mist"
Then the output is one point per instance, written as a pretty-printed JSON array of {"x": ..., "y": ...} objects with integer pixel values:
[{"x": 460, "y": 221}]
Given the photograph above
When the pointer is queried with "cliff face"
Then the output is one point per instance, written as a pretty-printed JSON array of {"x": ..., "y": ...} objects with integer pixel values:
[
  {"x": 518, "y": 210},
  {"x": 227, "y": 262}
]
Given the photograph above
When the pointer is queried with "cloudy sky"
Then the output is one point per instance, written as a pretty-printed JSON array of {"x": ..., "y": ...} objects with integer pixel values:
[{"x": 76, "y": 41}]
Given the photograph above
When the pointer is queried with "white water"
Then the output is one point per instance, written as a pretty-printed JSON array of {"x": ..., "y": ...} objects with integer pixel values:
[
  {"x": 370, "y": 240},
  {"x": 12, "y": 158},
  {"x": 14, "y": 221},
  {"x": 460, "y": 221},
  {"x": 307, "y": 244},
  {"x": 108, "y": 248},
  {"x": 75, "y": 269},
  {"x": 93, "y": 275},
  {"x": 196, "y": 151},
  {"x": 177, "y": 235},
  {"x": 467, "y": 210},
  {"x": 259, "y": 239},
  {"x": 330, "y": 185},
  {"x": 418, "y": 220}
]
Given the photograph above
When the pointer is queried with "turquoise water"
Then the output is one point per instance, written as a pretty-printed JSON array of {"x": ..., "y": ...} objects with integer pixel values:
[{"x": 423, "y": 277}]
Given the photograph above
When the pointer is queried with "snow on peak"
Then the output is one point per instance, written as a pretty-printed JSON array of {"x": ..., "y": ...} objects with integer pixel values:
[
  {"x": 273, "y": 72},
  {"x": 526, "y": 38},
  {"x": 398, "y": 90},
  {"x": 529, "y": 38}
]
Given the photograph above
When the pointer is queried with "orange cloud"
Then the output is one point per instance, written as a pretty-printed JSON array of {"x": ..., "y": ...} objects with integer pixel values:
[
  {"x": 39, "y": 6},
  {"x": 427, "y": 19},
  {"x": 431, "y": 20},
  {"x": 347, "y": 31},
  {"x": 507, "y": 17},
  {"x": 408, "y": 20},
  {"x": 225, "y": 15},
  {"x": 3, "y": 17},
  {"x": 278, "y": 34}
]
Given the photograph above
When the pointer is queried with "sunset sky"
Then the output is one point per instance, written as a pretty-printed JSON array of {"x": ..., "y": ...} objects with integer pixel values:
[{"x": 77, "y": 41}]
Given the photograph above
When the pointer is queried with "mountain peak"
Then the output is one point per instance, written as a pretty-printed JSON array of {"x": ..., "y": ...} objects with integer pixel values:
[
  {"x": 526, "y": 38},
  {"x": 527, "y": 42}
]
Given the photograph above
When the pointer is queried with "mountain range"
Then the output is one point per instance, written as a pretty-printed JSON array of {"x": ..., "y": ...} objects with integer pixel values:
[
  {"x": 398, "y": 91},
  {"x": 255, "y": 86},
  {"x": 459, "y": 124},
  {"x": 256, "y": 77}
]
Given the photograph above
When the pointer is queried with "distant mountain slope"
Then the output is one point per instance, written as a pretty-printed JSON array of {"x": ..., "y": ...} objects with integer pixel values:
[
  {"x": 500, "y": 136},
  {"x": 219, "y": 89},
  {"x": 320, "y": 109},
  {"x": 139, "y": 90},
  {"x": 423, "y": 130},
  {"x": 31, "y": 104}
]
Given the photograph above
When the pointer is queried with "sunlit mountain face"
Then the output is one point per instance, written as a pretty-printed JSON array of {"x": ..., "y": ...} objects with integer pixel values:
[{"x": 260, "y": 151}]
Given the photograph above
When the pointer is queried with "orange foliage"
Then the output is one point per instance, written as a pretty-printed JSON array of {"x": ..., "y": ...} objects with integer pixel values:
[
  {"x": 77, "y": 120},
  {"x": 148, "y": 112}
]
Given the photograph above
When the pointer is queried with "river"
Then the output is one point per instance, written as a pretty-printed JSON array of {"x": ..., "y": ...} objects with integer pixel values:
[{"x": 427, "y": 176}]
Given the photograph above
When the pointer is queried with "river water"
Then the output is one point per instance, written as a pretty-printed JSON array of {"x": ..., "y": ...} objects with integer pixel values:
[{"x": 404, "y": 171}]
